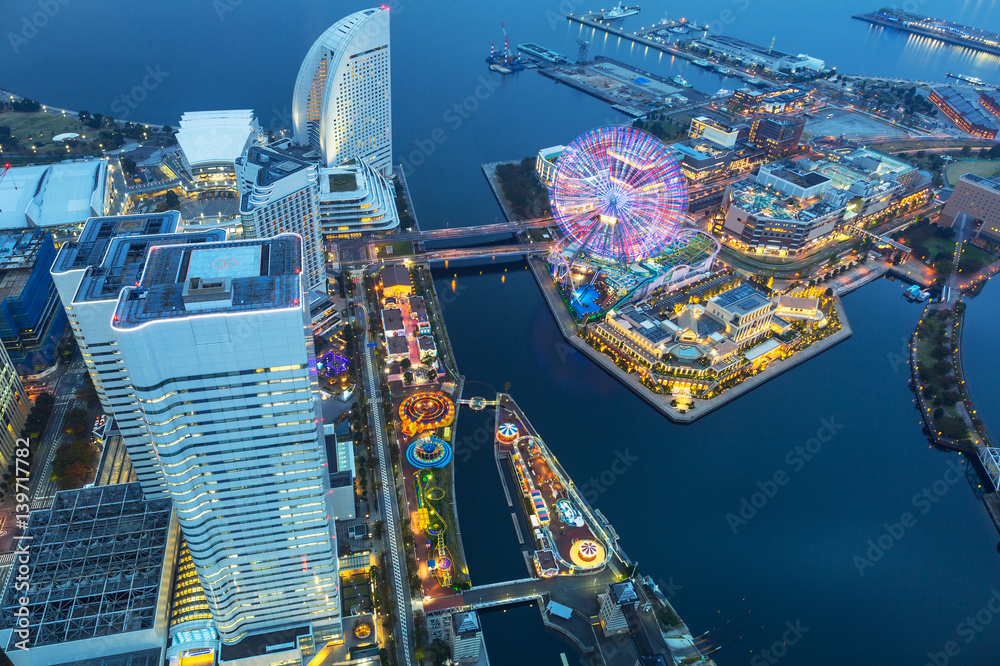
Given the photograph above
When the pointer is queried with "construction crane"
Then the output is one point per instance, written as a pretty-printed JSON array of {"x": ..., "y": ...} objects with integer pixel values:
[
  {"x": 506, "y": 44},
  {"x": 581, "y": 56}
]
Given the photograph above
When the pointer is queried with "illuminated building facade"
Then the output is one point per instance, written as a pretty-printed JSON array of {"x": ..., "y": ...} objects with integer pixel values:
[
  {"x": 715, "y": 131},
  {"x": 14, "y": 404},
  {"x": 791, "y": 205},
  {"x": 775, "y": 99},
  {"x": 210, "y": 141},
  {"x": 342, "y": 103},
  {"x": 545, "y": 163},
  {"x": 217, "y": 344},
  {"x": 778, "y": 136},
  {"x": 278, "y": 194},
  {"x": 89, "y": 274},
  {"x": 964, "y": 113},
  {"x": 977, "y": 198}
]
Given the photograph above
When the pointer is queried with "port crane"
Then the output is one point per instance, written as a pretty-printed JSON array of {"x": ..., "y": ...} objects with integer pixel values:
[{"x": 581, "y": 56}]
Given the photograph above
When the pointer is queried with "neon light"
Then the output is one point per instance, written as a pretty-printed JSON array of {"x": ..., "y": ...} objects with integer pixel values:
[{"x": 619, "y": 193}]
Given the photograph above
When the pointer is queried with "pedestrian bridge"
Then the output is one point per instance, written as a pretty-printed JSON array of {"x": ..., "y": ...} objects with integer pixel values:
[{"x": 990, "y": 457}]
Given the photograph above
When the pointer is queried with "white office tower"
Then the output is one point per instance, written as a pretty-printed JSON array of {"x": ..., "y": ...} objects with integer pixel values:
[
  {"x": 14, "y": 404},
  {"x": 278, "y": 195},
  {"x": 342, "y": 104},
  {"x": 217, "y": 342},
  {"x": 89, "y": 273}
]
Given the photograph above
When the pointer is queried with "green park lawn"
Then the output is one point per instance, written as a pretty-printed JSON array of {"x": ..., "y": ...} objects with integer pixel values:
[{"x": 984, "y": 168}]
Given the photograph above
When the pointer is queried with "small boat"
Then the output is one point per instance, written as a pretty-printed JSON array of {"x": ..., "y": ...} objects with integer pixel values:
[
  {"x": 916, "y": 294},
  {"x": 679, "y": 80}
]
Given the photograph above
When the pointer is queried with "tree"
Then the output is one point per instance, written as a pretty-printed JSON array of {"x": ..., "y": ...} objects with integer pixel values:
[
  {"x": 167, "y": 129},
  {"x": 506, "y": 387},
  {"x": 76, "y": 422},
  {"x": 378, "y": 529},
  {"x": 129, "y": 166},
  {"x": 87, "y": 394},
  {"x": 405, "y": 364},
  {"x": 170, "y": 201}
]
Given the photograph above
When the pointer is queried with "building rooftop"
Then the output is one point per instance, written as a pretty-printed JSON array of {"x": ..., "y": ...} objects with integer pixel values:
[
  {"x": 465, "y": 623},
  {"x": 97, "y": 562},
  {"x": 394, "y": 276},
  {"x": 125, "y": 259},
  {"x": 964, "y": 106},
  {"x": 392, "y": 319},
  {"x": 743, "y": 300},
  {"x": 982, "y": 182},
  {"x": 397, "y": 344},
  {"x": 90, "y": 247},
  {"x": 623, "y": 593},
  {"x": 418, "y": 307},
  {"x": 212, "y": 278},
  {"x": 210, "y": 137},
  {"x": 18, "y": 256},
  {"x": 53, "y": 195}
]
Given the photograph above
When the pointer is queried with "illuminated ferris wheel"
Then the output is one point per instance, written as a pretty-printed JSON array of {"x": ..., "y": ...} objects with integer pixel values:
[{"x": 618, "y": 194}]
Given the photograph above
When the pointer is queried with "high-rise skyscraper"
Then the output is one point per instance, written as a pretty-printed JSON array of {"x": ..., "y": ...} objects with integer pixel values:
[
  {"x": 13, "y": 409},
  {"x": 216, "y": 340},
  {"x": 278, "y": 195},
  {"x": 342, "y": 104},
  {"x": 89, "y": 273}
]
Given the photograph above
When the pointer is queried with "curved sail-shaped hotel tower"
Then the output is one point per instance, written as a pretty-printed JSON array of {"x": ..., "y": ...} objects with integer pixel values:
[{"x": 342, "y": 104}]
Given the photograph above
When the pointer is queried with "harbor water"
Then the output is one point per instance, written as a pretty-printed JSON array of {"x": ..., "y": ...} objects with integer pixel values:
[{"x": 826, "y": 552}]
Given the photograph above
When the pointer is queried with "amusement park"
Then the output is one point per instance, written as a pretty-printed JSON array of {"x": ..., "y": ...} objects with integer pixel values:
[
  {"x": 567, "y": 538},
  {"x": 620, "y": 200}
]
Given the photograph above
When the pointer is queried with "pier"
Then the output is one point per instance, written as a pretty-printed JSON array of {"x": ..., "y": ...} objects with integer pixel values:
[{"x": 568, "y": 603}]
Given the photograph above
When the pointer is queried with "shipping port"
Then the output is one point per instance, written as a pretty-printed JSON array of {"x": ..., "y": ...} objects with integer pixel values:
[
  {"x": 616, "y": 14},
  {"x": 502, "y": 60},
  {"x": 943, "y": 31},
  {"x": 630, "y": 90},
  {"x": 542, "y": 53}
]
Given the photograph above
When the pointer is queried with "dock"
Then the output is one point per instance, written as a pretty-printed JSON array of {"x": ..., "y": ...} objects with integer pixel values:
[{"x": 936, "y": 29}]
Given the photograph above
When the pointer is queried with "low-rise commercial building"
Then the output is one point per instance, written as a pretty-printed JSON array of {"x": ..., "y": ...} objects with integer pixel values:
[
  {"x": 769, "y": 100},
  {"x": 745, "y": 311},
  {"x": 211, "y": 141},
  {"x": 395, "y": 282},
  {"x": 755, "y": 55},
  {"x": 715, "y": 131},
  {"x": 976, "y": 198},
  {"x": 101, "y": 566},
  {"x": 962, "y": 111},
  {"x": 790, "y": 206},
  {"x": 56, "y": 197},
  {"x": 545, "y": 163}
]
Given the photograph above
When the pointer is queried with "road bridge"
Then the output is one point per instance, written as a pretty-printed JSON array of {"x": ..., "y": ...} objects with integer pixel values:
[{"x": 480, "y": 230}]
